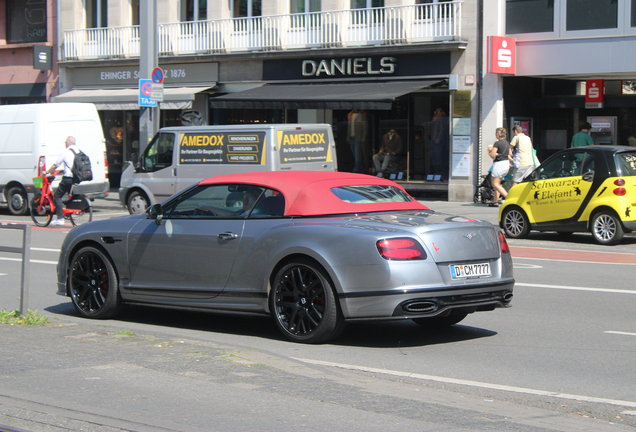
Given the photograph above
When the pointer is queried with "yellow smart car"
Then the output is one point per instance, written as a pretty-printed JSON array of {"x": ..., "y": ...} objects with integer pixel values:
[{"x": 590, "y": 188}]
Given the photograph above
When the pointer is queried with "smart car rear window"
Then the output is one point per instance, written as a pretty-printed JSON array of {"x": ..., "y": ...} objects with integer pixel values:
[
  {"x": 371, "y": 194},
  {"x": 627, "y": 163}
]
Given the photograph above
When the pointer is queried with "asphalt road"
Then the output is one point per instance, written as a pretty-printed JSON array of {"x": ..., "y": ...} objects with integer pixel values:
[{"x": 560, "y": 359}]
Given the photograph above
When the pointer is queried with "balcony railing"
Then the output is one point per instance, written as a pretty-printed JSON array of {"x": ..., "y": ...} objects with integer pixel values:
[{"x": 424, "y": 23}]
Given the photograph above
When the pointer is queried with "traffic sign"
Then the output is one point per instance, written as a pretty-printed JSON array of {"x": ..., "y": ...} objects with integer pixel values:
[
  {"x": 156, "y": 92},
  {"x": 145, "y": 91},
  {"x": 157, "y": 75}
]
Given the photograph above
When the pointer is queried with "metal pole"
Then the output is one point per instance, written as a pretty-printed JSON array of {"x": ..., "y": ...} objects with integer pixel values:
[
  {"x": 148, "y": 60},
  {"x": 26, "y": 259}
]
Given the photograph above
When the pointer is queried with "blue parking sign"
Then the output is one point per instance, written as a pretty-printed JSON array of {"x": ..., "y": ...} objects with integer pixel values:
[{"x": 145, "y": 89}]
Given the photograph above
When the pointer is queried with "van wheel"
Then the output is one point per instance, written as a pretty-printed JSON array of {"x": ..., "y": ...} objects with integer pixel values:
[
  {"x": 18, "y": 201},
  {"x": 137, "y": 203}
]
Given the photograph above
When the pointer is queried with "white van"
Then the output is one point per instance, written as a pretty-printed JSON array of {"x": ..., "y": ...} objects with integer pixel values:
[
  {"x": 34, "y": 134},
  {"x": 178, "y": 157}
]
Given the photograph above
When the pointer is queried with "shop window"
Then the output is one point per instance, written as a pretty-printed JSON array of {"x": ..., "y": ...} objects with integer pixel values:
[
  {"x": 246, "y": 8},
  {"x": 633, "y": 13},
  {"x": 96, "y": 13},
  {"x": 529, "y": 16},
  {"x": 592, "y": 14},
  {"x": 195, "y": 10},
  {"x": 26, "y": 23},
  {"x": 134, "y": 12}
]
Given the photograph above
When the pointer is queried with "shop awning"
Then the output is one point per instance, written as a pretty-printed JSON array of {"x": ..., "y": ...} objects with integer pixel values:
[
  {"x": 375, "y": 95},
  {"x": 128, "y": 98},
  {"x": 23, "y": 90}
]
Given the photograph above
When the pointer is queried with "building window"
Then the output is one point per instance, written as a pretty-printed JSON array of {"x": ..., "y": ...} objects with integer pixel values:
[
  {"x": 96, "y": 13},
  {"x": 246, "y": 8},
  {"x": 592, "y": 14},
  {"x": 633, "y": 13},
  {"x": 195, "y": 10},
  {"x": 529, "y": 16},
  {"x": 134, "y": 12},
  {"x": 304, "y": 6},
  {"x": 26, "y": 22},
  {"x": 365, "y": 4}
]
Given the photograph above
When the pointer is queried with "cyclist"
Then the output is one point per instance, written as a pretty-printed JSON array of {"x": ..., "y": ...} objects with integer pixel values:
[{"x": 66, "y": 157}]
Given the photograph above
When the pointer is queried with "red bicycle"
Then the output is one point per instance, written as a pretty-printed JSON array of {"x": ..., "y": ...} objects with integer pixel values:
[{"x": 77, "y": 208}]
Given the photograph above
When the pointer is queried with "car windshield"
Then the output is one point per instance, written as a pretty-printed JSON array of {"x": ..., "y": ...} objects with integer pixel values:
[
  {"x": 371, "y": 194},
  {"x": 627, "y": 163}
]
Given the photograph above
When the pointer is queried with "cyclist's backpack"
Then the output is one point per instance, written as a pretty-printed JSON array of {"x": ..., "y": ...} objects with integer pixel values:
[{"x": 81, "y": 168}]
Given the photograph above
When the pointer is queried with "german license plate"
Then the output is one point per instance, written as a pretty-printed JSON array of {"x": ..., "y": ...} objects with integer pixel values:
[{"x": 461, "y": 271}]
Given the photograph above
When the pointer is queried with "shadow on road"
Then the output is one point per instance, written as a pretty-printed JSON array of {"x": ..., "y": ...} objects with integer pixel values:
[{"x": 371, "y": 334}]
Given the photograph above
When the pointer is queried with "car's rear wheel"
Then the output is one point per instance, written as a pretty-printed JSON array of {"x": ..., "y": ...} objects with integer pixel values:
[
  {"x": 515, "y": 223},
  {"x": 452, "y": 318},
  {"x": 606, "y": 228},
  {"x": 137, "y": 203},
  {"x": 303, "y": 303},
  {"x": 93, "y": 284}
]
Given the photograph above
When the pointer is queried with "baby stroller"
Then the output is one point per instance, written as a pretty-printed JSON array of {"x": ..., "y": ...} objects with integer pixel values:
[{"x": 484, "y": 192}]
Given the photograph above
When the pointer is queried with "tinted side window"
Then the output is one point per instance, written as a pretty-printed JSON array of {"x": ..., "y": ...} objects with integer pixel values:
[
  {"x": 566, "y": 165},
  {"x": 159, "y": 153},
  {"x": 627, "y": 163}
]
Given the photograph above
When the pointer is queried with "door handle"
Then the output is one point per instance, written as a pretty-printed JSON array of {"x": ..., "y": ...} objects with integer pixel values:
[
  {"x": 588, "y": 176},
  {"x": 227, "y": 236}
]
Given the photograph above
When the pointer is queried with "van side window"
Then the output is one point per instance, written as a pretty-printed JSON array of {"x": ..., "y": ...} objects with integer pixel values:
[{"x": 158, "y": 155}]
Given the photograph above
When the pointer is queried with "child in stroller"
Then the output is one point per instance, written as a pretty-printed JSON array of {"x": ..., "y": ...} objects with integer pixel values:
[{"x": 484, "y": 192}]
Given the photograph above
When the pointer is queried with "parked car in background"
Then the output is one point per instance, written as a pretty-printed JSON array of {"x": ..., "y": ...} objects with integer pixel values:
[
  {"x": 580, "y": 189},
  {"x": 33, "y": 135},
  {"x": 312, "y": 249},
  {"x": 178, "y": 157}
]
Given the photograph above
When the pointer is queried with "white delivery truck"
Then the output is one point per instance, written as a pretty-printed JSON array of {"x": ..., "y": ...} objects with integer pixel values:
[
  {"x": 34, "y": 134},
  {"x": 178, "y": 157}
]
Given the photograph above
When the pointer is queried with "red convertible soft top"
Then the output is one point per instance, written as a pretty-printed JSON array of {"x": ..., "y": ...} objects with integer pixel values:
[{"x": 308, "y": 193}]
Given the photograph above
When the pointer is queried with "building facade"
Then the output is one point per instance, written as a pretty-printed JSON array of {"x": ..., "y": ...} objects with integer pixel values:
[
  {"x": 28, "y": 62},
  {"x": 565, "y": 50},
  {"x": 364, "y": 66}
]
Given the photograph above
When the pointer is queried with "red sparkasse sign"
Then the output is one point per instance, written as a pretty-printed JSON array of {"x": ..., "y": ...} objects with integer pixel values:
[
  {"x": 502, "y": 55},
  {"x": 594, "y": 93}
]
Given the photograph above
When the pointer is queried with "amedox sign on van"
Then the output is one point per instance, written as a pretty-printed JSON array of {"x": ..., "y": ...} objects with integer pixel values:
[{"x": 181, "y": 156}]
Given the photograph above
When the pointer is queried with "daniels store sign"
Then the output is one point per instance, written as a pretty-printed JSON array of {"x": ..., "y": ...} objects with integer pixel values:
[{"x": 502, "y": 55}]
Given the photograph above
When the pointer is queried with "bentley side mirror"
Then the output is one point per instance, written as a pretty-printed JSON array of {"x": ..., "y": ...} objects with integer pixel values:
[{"x": 155, "y": 212}]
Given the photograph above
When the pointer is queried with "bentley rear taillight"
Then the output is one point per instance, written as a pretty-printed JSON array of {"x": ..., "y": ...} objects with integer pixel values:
[
  {"x": 503, "y": 243},
  {"x": 401, "y": 249}
]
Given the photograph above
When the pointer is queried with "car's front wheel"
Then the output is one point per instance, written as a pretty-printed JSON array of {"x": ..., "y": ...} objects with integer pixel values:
[
  {"x": 606, "y": 228},
  {"x": 452, "y": 318},
  {"x": 137, "y": 203},
  {"x": 93, "y": 284},
  {"x": 303, "y": 303},
  {"x": 515, "y": 223}
]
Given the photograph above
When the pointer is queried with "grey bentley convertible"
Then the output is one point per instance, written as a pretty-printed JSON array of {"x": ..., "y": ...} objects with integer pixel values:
[{"x": 312, "y": 249}]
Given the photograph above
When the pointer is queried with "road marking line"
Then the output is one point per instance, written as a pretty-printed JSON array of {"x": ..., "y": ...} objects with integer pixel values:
[
  {"x": 31, "y": 261},
  {"x": 620, "y": 333},
  {"x": 563, "y": 287},
  {"x": 526, "y": 266},
  {"x": 472, "y": 383},
  {"x": 571, "y": 261}
]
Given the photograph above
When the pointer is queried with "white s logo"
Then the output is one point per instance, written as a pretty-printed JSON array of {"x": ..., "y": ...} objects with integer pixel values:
[
  {"x": 504, "y": 56},
  {"x": 594, "y": 92}
]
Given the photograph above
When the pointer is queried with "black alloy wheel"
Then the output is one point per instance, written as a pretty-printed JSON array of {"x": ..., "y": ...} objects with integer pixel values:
[
  {"x": 515, "y": 223},
  {"x": 303, "y": 303},
  {"x": 93, "y": 284}
]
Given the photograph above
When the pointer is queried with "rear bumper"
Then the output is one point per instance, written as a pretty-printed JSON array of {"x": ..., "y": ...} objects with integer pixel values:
[
  {"x": 630, "y": 225},
  {"x": 428, "y": 302},
  {"x": 92, "y": 190}
]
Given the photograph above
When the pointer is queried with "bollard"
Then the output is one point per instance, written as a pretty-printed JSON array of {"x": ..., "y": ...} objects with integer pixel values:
[{"x": 25, "y": 251}]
